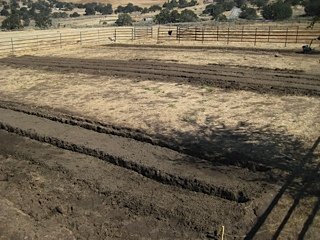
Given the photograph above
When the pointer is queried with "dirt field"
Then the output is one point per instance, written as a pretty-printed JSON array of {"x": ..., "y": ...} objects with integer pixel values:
[{"x": 117, "y": 142}]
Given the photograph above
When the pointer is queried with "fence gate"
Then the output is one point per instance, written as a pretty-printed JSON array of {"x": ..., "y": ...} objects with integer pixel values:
[{"x": 142, "y": 33}]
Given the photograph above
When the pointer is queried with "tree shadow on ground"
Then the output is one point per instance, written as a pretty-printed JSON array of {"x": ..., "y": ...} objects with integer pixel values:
[
  {"x": 295, "y": 166},
  {"x": 245, "y": 146}
]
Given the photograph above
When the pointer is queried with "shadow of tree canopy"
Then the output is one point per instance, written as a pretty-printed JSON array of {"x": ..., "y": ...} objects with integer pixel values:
[
  {"x": 258, "y": 149},
  {"x": 293, "y": 164}
]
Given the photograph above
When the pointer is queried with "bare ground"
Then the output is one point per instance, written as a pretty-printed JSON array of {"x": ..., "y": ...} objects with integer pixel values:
[{"x": 267, "y": 143}]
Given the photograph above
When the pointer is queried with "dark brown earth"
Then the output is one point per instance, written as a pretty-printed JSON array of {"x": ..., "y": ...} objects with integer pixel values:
[
  {"x": 254, "y": 79},
  {"x": 139, "y": 190},
  {"x": 93, "y": 181}
]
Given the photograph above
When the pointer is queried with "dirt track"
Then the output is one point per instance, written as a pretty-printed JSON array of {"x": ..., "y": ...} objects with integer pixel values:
[
  {"x": 177, "y": 171},
  {"x": 255, "y": 79}
]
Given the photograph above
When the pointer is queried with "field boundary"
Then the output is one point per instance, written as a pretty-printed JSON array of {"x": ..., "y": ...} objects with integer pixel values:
[
  {"x": 159, "y": 34},
  {"x": 244, "y": 34},
  {"x": 34, "y": 42}
]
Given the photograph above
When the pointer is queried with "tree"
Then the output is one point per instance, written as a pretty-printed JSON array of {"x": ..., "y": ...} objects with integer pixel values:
[
  {"x": 12, "y": 22},
  {"x": 42, "y": 20},
  {"x": 75, "y": 14},
  {"x": 14, "y": 4},
  {"x": 277, "y": 11},
  {"x": 293, "y": 2},
  {"x": 260, "y": 3},
  {"x": 182, "y": 3},
  {"x": 80, "y": 5},
  {"x": 155, "y": 8},
  {"x": 214, "y": 10},
  {"x": 221, "y": 18},
  {"x": 145, "y": 10},
  {"x": 25, "y": 16},
  {"x": 26, "y": 21},
  {"x": 90, "y": 10},
  {"x": 188, "y": 16},
  {"x": 171, "y": 4},
  {"x": 106, "y": 10},
  {"x": 4, "y": 12},
  {"x": 124, "y": 19},
  {"x": 69, "y": 6},
  {"x": 248, "y": 13},
  {"x": 163, "y": 17},
  {"x": 240, "y": 3},
  {"x": 312, "y": 8},
  {"x": 174, "y": 16},
  {"x": 129, "y": 8},
  {"x": 193, "y": 3},
  {"x": 228, "y": 5},
  {"x": 59, "y": 15}
]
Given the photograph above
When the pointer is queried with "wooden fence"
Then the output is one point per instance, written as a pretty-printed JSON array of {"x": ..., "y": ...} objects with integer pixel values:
[
  {"x": 283, "y": 35},
  {"x": 58, "y": 40},
  {"x": 246, "y": 34}
]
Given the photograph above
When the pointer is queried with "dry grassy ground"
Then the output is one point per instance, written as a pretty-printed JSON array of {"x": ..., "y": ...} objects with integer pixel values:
[{"x": 154, "y": 105}]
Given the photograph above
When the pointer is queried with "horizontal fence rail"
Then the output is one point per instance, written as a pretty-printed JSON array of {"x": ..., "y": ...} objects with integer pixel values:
[{"x": 242, "y": 34}]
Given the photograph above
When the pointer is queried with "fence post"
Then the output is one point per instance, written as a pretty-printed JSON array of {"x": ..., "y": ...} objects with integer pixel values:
[
  {"x": 80, "y": 38},
  {"x": 195, "y": 33},
  {"x": 179, "y": 36},
  {"x": 297, "y": 34},
  {"x": 202, "y": 34},
  {"x": 132, "y": 34},
  {"x": 255, "y": 37},
  {"x": 217, "y": 33},
  {"x": 242, "y": 33},
  {"x": 228, "y": 36},
  {"x": 285, "y": 43},
  {"x": 158, "y": 34},
  {"x": 115, "y": 34},
  {"x": 60, "y": 37},
  {"x": 12, "y": 48},
  {"x": 269, "y": 34}
]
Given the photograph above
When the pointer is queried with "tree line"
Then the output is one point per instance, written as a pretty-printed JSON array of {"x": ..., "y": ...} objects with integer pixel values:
[{"x": 19, "y": 13}]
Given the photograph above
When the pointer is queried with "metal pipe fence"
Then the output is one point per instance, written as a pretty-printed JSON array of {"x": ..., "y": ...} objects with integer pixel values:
[{"x": 203, "y": 34}]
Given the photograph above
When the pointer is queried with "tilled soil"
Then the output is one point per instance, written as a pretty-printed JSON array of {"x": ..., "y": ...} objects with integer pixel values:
[
  {"x": 139, "y": 182},
  {"x": 255, "y": 79}
]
